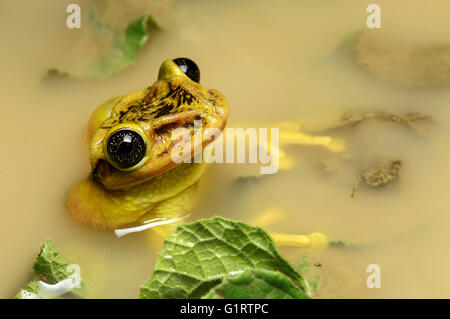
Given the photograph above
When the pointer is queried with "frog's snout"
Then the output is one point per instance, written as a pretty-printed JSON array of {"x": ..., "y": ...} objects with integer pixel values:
[{"x": 102, "y": 170}]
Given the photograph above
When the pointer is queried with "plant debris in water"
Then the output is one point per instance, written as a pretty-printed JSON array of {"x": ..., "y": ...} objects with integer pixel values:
[
  {"x": 392, "y": 60},
  {"x": 414, "y": 121},
  {"x": 213, "y": 258},
  {"x": 199, "y": 256},
  {"x": 305, "y": 267},
  {"x": 121, "y": 53},
  {"x": 384, "y": 173}
]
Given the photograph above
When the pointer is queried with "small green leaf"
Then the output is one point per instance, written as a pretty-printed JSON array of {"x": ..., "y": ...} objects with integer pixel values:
[
  {"x": 314, "y": 282},
  {"x": 351, "y": 37},
  {"x": 256, "y": 284},
  {"x": 123, "y": 50},
  {"x": 32, "y": 287},
  {"x": 197, "y": 256},
  {"x": 304, "y": 266},
  {"x": 51, "y": 267},
  {"x": 121, "y": 53}
]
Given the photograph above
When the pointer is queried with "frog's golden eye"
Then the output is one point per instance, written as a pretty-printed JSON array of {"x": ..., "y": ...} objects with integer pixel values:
[
  {"x": 189, "y": 68},
  {"x": 126, "y": 148}
]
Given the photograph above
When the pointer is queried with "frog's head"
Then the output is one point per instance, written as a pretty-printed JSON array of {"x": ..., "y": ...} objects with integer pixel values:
[{"x": 135, "y": 141}]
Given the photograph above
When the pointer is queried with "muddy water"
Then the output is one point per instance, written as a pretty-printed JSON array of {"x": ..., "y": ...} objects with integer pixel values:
[{"x": 274, "y": 61}]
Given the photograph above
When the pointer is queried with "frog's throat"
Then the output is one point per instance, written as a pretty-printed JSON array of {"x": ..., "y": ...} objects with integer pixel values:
[{"x": 92, "y": 204}]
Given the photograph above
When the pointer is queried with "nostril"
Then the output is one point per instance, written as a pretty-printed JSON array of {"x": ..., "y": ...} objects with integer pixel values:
[{"x": 103, "y": 169}]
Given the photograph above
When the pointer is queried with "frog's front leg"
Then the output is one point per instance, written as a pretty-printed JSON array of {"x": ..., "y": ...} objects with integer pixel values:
[{"x": 173, "y": 210}]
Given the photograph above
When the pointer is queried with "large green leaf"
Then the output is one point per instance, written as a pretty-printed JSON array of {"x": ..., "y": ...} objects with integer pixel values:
[
  {"x": 257, "y": 284},
  {"x": 197, "y": 256}
]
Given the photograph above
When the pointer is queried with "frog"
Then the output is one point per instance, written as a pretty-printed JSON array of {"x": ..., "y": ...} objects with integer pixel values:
[
  {"x": 132, "y": 138},
  {"x": 134, "y": 179}
]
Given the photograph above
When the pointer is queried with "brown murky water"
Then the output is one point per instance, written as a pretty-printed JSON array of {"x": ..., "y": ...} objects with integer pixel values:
[{"x": 274, "y": 61}]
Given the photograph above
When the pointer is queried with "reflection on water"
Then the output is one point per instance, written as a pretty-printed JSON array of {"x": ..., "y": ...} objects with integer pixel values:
[
  {"x": 154, "y": 222},
  {"x": 274, "y": 61}
]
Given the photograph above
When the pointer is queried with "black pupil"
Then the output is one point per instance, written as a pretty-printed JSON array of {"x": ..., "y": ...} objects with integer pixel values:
[
  {"x": 189, "y": 68},
  {"x": 125, "y": 148}
]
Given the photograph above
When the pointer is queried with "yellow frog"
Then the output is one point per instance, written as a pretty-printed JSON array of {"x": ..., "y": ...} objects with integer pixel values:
[
  {"x": 134, "y": 177},
  {"x": 133, "y": 173}
]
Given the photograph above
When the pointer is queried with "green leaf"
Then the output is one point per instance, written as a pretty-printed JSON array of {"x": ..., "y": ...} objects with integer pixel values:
[
  {"x": 345, "y": 48},
  {"x": 257, "y": 284},
  {"x": 197, "y": 256},
  {"x": 51, "y": 267},
  {"x": 123, "y": 50},
  {"x": 121, "y": 53},
  {"x": 352, "y": 37},
  {"x": 304, "y": 266},
  {"x": 32, "y": 287},
  {"x": 314, "y": 282}
]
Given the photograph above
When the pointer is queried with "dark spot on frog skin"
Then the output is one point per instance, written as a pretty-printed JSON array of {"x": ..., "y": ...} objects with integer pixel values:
[
  {"x": 163, "y": 110},
  {"x": 166, "y": 128}
]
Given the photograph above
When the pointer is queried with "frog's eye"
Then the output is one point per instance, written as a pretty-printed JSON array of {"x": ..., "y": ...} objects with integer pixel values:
[
  {"x": 125, "y": 148},
  {"x": 189, "y": 68}
]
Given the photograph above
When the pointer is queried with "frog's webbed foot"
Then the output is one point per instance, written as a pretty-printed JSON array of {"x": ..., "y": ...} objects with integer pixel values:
[
  {"x": 314, "y": 240},
  {"x": 291, "y": 134},
  {"x": 273, "y": 215}
]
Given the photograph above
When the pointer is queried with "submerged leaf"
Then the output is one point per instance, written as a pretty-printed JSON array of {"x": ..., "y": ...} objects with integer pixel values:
[
  {"x": 397, "y": 61},
  {"x": 413, "y": 120},
  {"x": 120, "y": 54},
  {"x": 123, "y": 50},
  {"x": 256, "y": 284},
  {"x": 197, "y": 256},
  {"x": 305, "y": 267}
]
